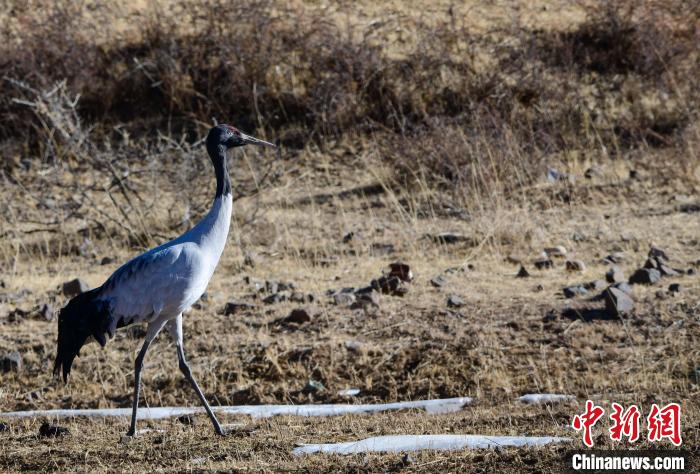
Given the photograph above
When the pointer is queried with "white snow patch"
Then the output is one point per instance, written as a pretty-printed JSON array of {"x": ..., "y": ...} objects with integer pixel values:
[
  {"x": 533, "y": 398},
  {"x": 349, "y": 392},
  {"x": 446, "y": 405},
  {"x": 402, "y": 443}
]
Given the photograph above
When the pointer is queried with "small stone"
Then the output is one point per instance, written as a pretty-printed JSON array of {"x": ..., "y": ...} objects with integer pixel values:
[
  {"x": 366, "y": 300},
  {"x": 690, "y": 271},
  {"x": 614, "y": 275},
  {"x": 233, "y": 307},
  {"x": 4, "y": 427},
  {"x": 380, "y": 250},
  {"x": 186, "y": 419},
  {"x": 595, "y": 285},
  {"x": 401, "y": 271},
  {"x": 514, "y": 259},
  {"x": 298, "y": 316},
  {"x": 645, "y": 276},
  {"x": 449, "y": 238},
  {"x": 256, "y": 284},
  {"x": 354, "y": 346},
  {"x": 522, "y": 273},
  {"x": 272, "y": 286},
  {"x": 275, "y": 298},
  {"x": 661, "y": 295},
  {"x": 615, "y": 257},
  {"x": 407, "y": 459},
  {"x": 674, "y": 288},
  {"x": 314, "y": 386},
  {"x": 74, "y": 287},
  {"x": 454, "y": 301},
  {"x": 106, "y": 260},
  {"x": 543, "y": 264},
  {"x": 438, "y": 281},
  {"x": 348, "y": 237},
  {"x": 298, "y": 297},
  {"x": 46, "y": 430},
  {"x": 618, "y": 302},
  {"x": 575, "y": 266},
  {"x": 46, "y": 312},
  {"x": 657, "y": 253},
  {"x": 624, "y": 287},
  {"x": 390, "y": 285},
  {"x": 575, "y": 290},
  {"x": 11, "y": 362},
  {"x": 557, "y": 251},
  {"x": 343, "y": 299},
  {"x": 593, "y": 172},
  {"x": 668, "y": 271},
  {"x": 251, "y": 259}
]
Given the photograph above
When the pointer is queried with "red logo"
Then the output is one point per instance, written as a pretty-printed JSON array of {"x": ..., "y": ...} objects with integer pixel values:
[
  {"x": 587, "y": 420},
  {"x": 661, "y": 423},
  {"x": 665, "y": 423},
  {"x": 626, "y": 423}
]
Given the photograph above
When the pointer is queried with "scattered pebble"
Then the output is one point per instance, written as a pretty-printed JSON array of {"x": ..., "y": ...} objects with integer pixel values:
[
  {"x": 557, "y": 251},
  {"x": 186, "y": 419},
  {"x": 575, "y": 266},
  {"x": 11, "y": 362},
  {"x": 618, "y": 302},
  {"x": 46, "y": 430},
  {"x": 344, "y": 299},
  {"x": 314, "y": 386},
  {"x": 454, "y": 301},
  {"x": 615, "y": 275},
  {"x": 438, "y": 281},
  {"x": 674, "y": 288},
  {"x": 298, "y": 316},
  {"x": 645, "y": 276},
  {"x": 522, "y": 273},
  {"x": 400, "y": 270},
  {"x": 543, "y": 264},
  {"x": 574, "y": 290},
  {"x": 74, "y": 287},
  {"x": 233, "y": 307}
]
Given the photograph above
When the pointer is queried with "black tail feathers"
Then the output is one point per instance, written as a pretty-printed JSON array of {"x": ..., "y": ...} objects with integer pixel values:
[{"x": 85, "y": 315}]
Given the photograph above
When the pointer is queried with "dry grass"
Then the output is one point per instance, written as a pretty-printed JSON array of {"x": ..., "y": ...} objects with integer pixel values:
[{"x": 455, "y": 114}]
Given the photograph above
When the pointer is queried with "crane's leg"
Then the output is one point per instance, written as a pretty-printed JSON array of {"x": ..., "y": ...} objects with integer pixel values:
[
  {"x": 175, "y": 328},
  {"x": 151, "y": 333}
]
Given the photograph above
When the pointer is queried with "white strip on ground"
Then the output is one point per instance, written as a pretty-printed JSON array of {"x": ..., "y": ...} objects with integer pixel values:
[
  {"x": 403, "y": 443},
  {"x": 533, "y": 398},
  {"x": 446, "y": 405}
]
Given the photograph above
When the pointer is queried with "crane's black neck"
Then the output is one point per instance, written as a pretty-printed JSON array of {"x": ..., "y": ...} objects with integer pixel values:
[{"x": 217, "y": 153}]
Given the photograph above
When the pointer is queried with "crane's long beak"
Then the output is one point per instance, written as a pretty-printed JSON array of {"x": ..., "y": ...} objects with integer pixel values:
[{"x": 248, "y": 140}]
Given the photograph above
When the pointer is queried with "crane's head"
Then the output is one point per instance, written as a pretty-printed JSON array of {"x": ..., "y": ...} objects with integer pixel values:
[{"x": 230, "y": 137}]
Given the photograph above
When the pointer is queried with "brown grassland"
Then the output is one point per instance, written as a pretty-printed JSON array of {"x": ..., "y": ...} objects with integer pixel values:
[{"x": 397, "y": 121}]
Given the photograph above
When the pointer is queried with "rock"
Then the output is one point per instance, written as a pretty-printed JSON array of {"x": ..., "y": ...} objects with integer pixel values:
[
  {"x": 645, "y": 276},
  {"x": 448, "y": 238},
  {"x": 657, "y": 253},
  {"x": 557, "y": 251},
  {"x": 314, "y": 386},
  {"x": 618, "y": 302},
  {"x": 689, "y": 207},
  {"x": 186, "y": 419},
  {"x": 251, "y": 259},
  {"x": 668, "y": 271},
  {"x": 106, "y": 261},
  {"x": 46, "y": 430},
  {"x": 614, "y": 275},
  {"x": 438, "y": 281},
  {"x": 574, "y": 290},
  {"x": 343, "y": 299},
  {"x": 514, "y": 259},
  {"x": 538, "y": 288},
  {"x": 74, "y": 287},
  {"x": 522, "y": 273},
  {"x": 11, "y": 362},
  {"x": 354, "y": 346},
  {"x": 272, "y": 286},
  {"x": 615, "y": 257},
  {"x": 348, "y": 237},
  {"x": 593, "y": 172},
  {"x": 595, "y": 285},
  {"x": 674, "y": 288},
  {"x": 298, "y": 316},
  {"x": 690, "y": 271},
  {"x": 4, "y": 427},
  {"x": 553, "y": 176},
  {"x": 575, "y": 266},
  {"x": 275, "y": 298},
  {"x": 281, "y": 286},
  {"x": 454, "y": 301},
  {"x": 298, "y": 297},
  {"x": 233, "y": 307},
  {"x": 256, "y": 284},
  {"x": 381, "y": 250},
  {"x": 543, "y": 264},
  {"x": 46, "y": 312},
  {"x": 16, "y": 315},
  {"x": 407, "y": 459},
  {"x": 624, "y": 287},
  {"x": 401, "y": 271},
  {"x": 388, "y": 285},
  {"x": 366, "y": 300},
  {"x": 661, "y": 295}
]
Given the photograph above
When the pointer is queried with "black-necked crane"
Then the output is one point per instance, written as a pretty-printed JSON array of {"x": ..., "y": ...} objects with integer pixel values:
[{"x": 156, "y": 287}]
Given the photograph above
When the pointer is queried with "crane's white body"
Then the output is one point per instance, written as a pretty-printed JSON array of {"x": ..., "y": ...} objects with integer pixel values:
[{"x": 167, "y": 280}]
